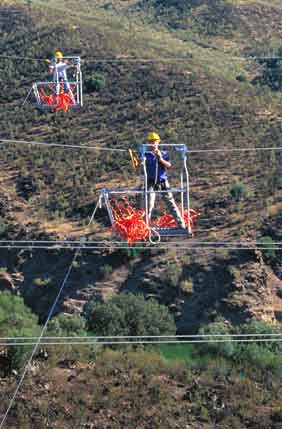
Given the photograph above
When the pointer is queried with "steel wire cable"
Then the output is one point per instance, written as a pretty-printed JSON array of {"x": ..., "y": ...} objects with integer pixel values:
[
  {"x": 141, "y": 341},
  {"x": 151, "y": 60},
  {"x": 151, "y": 337},
  {"x": 119, "y": 149},
  {"x": 145, "y": 247},
  {"x": 110, "y": 242},
  {"x": 66, "y": 146}
]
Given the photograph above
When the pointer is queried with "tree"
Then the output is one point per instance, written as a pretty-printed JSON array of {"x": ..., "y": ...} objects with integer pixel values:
[
  {"x": 238, "y": 191},
  {"x": 16, "y": 320},
  {"x": 268, "y": 246},
  {"x": 67, "y": 325},
  {"x": 96, "y": 82},
  {"x": 128, "y": 314},
  {"x": 213, "y": 345},
  {"x": 271, "y": 75}
]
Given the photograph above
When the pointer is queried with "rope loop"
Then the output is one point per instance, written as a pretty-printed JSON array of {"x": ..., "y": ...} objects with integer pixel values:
[{"x": 152, "y": 232}]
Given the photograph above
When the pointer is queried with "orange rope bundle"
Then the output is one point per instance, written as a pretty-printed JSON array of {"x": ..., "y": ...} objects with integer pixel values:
[
  {"x": 61, "y": 101},
  {"x": 64, "y": 101},
  {"x": 46, "y": 99},
  {"x": 129, "y": 222},
  {"x": 168, "y": 221}
]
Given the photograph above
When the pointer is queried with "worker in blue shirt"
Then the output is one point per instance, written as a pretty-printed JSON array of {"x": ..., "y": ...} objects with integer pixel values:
[{"x": 157, "y": 163}]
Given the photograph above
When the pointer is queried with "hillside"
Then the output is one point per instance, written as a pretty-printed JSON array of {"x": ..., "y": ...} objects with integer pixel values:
[
  {"x": 191, "y": 101},
  {"x": 183, "y": 68},
  {"x": 144, "y": 391}
]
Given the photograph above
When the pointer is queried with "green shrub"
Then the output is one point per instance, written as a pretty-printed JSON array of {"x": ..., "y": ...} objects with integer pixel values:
[
  {"x": 16, "y": 320},
  {"x": 226, "y": 349},
  {"x": 106, "y": 270},
  {"x": 173, "y": 274},
  {"x": 67, "y": 325},
  {"x": 241, "y": 78},
  {"x": 238, "y": 191},
  {"x": 128, "y": 314},
  {"x": 187, "y": 286},
  {"x": 259, "y": 355},
  {"x": 132, "y": 252},
  {"x": 272, "y": 72},
  {"x": 96, "y": 82},
  {"x": 260, "y": 327},
  {"x": 41, "y": 282},
  {"x": 3, "y": 226},
  {"x": 26, "y": 186},
  {"x": 268, "y": 247}
]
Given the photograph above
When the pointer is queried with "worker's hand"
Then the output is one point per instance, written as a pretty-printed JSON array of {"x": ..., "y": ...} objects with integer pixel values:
[
  {"x": 47, "y": 61},
  {"x": 158, "y": 153}
]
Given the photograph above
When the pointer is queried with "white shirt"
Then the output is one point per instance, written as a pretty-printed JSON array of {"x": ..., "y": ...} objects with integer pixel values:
[{"x": 59, "y": 70}]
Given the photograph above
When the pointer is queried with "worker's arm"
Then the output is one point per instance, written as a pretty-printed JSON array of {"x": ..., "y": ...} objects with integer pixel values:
[{"x": 164, "y": 162}]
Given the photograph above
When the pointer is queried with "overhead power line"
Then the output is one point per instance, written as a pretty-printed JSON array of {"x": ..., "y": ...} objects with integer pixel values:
[
  {"x": 128, "y": 59},
  {"x": 144, "y": 337},
  {"x": 110, "y": 242},
  {"x": 156, "y": 246},
  {"x": 64, "y": 146},
  {"x": 191, "y": 243},
  {"x": 127, "y": 342},
  {"x": 119, "y": 149}
]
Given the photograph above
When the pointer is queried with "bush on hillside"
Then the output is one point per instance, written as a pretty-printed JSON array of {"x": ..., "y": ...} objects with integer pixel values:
[
  {"x": 3, "y": 226},
  {"x": 260, "y": 327},
  {"x": 238, "y": 191},
  {"x": 67, "y": 325},
  {"x": 16, "y": 320},
  {"x": 272, "y": 71},
  {"x": 129, "y": 314},
  {"x": 268, "y": 246},
  {"x": 211, "y": 332},
  {"x": 96, "y": 82},
  {"x": 261, "y": 354},
  {"x": 26, "y": 186}
]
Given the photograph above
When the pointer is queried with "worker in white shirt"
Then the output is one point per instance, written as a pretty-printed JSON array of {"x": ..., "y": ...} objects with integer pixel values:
[{"x": 58, "y": 66}]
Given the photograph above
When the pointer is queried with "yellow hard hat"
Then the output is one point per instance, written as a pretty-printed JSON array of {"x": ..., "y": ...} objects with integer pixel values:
[
  {"x": 153, "y": 137},
  {"x": 58, "y": 54}
]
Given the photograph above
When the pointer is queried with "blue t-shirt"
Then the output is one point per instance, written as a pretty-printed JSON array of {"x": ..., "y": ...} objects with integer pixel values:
[{"x": 156, "y": 172}]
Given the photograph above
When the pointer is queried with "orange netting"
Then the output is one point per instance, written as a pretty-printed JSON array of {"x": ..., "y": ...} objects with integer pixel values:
[
  {"x": 62, "y": 101},
  {"x": 168, "y": 221},
  {"x": 130, "y": 224}
]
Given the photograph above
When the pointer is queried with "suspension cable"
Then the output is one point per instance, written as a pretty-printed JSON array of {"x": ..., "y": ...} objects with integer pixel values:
[
  {"x": 65, "y": 146},
  {"x": 119, "y": 149},
  {"x": 123, "y": 342},
  {"x": 150, "y": 60},
  {"x": 141, "y": 337}
]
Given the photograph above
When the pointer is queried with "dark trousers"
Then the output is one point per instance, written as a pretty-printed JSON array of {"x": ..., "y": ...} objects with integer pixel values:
[{"x": 168, "y": 198}]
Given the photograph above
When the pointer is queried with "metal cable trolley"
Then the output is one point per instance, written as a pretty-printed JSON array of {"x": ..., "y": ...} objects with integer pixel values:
[
  {"x": 61, "y": 93},
  {"x": 135, "y": 216}
]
